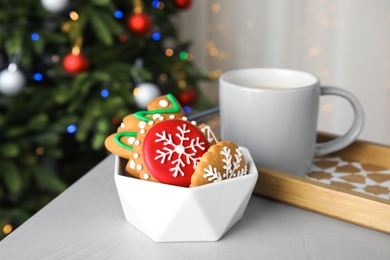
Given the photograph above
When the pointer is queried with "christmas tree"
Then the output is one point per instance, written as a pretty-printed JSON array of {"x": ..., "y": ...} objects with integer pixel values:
[{"x": 70, "y": 71}]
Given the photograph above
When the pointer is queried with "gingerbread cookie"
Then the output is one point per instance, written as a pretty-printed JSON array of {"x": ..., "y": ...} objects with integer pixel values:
[
  {"x": 223, "y": 160},
  {"x": 179, "y": 143},
  {"x": 163, "y": 107}
]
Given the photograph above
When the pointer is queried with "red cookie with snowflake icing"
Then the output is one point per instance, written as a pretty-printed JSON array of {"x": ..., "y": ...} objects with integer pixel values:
[{"x": 171, "y": 150}]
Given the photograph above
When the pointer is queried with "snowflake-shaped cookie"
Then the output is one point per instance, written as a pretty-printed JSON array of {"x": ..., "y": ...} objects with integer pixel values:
[{"x": 172, "y": 149}]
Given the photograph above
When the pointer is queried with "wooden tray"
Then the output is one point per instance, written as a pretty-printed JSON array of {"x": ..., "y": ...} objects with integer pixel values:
[
  {"x": 336, "y": 199},
  {"x": 351, "y": 195}
]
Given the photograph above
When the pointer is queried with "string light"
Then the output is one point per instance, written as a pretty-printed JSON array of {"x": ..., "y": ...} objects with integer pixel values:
[
  {"x": 214, "y": 74},
  {"x": 122, "y": 38},
  {"x": 104, "y": 93},
  {"x": 215, "y": 8},
  {"x": 163, "y": 76},
  {"x": 156, "y": 36},
  {"x": 118, "y": 14},
  {"x": 35, "y": 37},
  {"x": 155, "y": 3},
  {"x": 161, "y": 5},
  {"x": 38, "y": 76},
  {"x": 138, "y": 7},
  {"x": 218, "y": 72},
  {"x": 115, "y": 121},
  {"x": 40, "y": 151},
  {"x": 187, "y": 109},
  {"x": 213, "y": 52},
  {"x": 210, "y": 45},
  {"x": 158, "y": 4},
  {"x": 74, "y": 16},
  {"x": 71, "y": 128},
  {"x": 136, "y": 91},
  {"x": 182, "y": 84},
  {"x": 314, "y": 51},
  {"x": 7, "y": 229},
  {"x": 190, "y": 57},
  {"x": 55, "y": 58},
  {"x": 183, "y": 55},
  {"x": 169, "y": 52}
]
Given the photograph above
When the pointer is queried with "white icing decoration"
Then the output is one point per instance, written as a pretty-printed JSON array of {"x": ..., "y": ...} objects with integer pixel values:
[
  {"x": 184, "y": 118},
  {"x": 193, "y": 122},
  {"x": 131, "y": 140},
  {"x": 139, "y": 167},
  {"x": 212, "y": 174},
  {"x": 163, "y": 103},
  {"x": 231, "y": 169},
  {"x": 142, "y": 131},
  {"x": 136, "y": 155},
  {"x": 132, "y": 164},
  {"x": 146, "y": 176},
  {"x": 151, "y": 122},
  {"x": 185, "y": 150},
  {"x": 155, "y": 116},
  {"x": 171, "y": 116},
  {"x": 209, "y": 134},
  {"x": 142, "y": 124},
  {"x": 137, "y": 142},
  {"x": 122, "y": 125},
  {"x": 161, "y": 118}
]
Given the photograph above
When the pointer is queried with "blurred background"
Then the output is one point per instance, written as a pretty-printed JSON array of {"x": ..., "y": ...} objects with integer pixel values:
[
  {"x": 345, "y": 43},
  {"x": 71, "y": 70}
]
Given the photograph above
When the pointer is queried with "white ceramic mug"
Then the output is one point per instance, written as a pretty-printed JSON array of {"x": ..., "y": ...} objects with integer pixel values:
[{"x": 273, "y": 112}]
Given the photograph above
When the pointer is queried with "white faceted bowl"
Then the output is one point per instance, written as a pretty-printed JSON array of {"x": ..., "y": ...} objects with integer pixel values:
[{"x": 168, "y": 213}]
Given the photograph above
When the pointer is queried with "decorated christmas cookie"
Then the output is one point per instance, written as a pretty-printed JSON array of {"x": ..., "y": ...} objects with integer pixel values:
[
  {"x": 161, "y": 108},
  {"x": 161, "y": 145},
  {"x": 171, "y": 151},
  {"x": 175, "y": 137},
  {"x": 223, "y": 160}
]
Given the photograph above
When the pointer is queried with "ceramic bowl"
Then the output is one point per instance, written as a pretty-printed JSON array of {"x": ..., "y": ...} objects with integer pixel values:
[{"x": 168, "y": 213}]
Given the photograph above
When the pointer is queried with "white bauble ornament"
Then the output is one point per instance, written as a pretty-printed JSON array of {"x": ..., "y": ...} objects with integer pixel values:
[
  {"x": 12, "y": 80},
  {"x": 55, "y": 6},
  {"x": 144, "y": 93}
]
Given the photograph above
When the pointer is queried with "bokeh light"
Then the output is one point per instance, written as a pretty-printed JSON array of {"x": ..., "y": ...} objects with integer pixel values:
[
  {"x": 71, "y": 128},
  {"x": 118, "y": 14},
  {"x": 104, "y": 93},
  {"x": 35, "y": 37},
  {"x": 156, "y": 36},
  {"x": 38, "y": 76}
]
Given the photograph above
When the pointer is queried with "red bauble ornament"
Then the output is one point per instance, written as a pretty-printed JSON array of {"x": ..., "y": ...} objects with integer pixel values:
[
  {"x": 73, "y": 63},
  {"x": 182, "y": 4},
  {"x": 139, "y": 23},
  {"x": 188, "y": 97}
]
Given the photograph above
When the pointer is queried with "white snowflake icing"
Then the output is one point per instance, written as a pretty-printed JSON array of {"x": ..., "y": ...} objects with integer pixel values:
[
  {"x": 212, "y": 174},
  {"x": 206, "y": 130},
  {"x": 186, "y": 150},
  {"x": 231, "y": 168}
]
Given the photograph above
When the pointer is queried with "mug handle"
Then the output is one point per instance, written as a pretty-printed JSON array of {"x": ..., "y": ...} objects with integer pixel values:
[{"x": 353, "y": 132}]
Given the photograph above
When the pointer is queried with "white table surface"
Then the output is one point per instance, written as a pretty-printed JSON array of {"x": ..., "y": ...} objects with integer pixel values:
[{"x": 86, "y": 222}]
